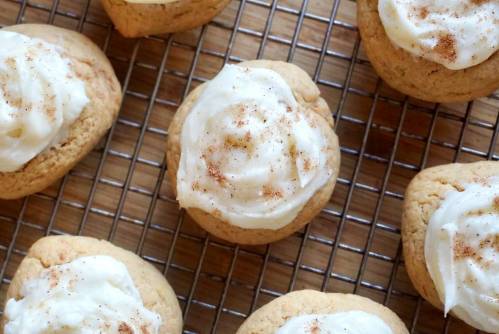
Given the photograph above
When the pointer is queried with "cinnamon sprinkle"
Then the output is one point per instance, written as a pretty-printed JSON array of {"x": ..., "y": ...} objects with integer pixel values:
[
  {"x": 479, "y": 2},
  {"x": 461, "y": 249},
  {"x": 233, "y": 142},
  {"x": 270, "y": 192},
  {"x": 240, "y": 123},
  {"x": 492, "y": 242},
  {"x": 125, "y": 329},
  {"x": 496, "y": 202},
  {"x": 209, "y": 151},
  {"x": 314, "y": 327},
  {"x": 54, "y": 278},
  {"x": 423, "y": 12},
  {"x": 196, "y": 186},
  {"x": 247, "y": 136},
  {"x": 446, "y": 47},
  {"x": 307, "y": 165},
  {"x": 215, "y": 172}
]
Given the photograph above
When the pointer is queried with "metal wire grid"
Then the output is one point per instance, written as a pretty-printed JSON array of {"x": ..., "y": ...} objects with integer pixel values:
[{"x": 342, "y": 215}]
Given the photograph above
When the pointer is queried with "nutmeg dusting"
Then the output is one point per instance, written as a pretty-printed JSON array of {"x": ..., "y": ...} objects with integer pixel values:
[{"x": 446, "y": 47}]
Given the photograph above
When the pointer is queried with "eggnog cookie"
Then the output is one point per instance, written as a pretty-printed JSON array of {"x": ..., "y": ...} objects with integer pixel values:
[
  {"x": 136, "y": 18},
  {"x": 309, "y": 311},
  {"x": 85, "y": 285},
  {"x": 439, "y": 51},
  {"x": 252, "y": 155},
  {"x": 450, "y": 231},
  {"x": 58, "y": 96}
]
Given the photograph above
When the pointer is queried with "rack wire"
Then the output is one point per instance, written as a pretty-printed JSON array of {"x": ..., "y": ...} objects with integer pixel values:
[{"x": 120, "y": 193}]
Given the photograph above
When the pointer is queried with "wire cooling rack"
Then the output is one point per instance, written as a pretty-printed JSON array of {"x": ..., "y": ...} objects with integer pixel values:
[{"x": 119, "y": 192}]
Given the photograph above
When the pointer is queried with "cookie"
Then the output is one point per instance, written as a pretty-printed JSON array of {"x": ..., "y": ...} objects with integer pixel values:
[
  {"x": 104, "y": 97},
  {"x": 274, "y": 315},
  {"x": 135, "y": 19},
  {"x": 308, "y": 98},
  {"x": 437, "y": 195},
  {"x": 156, "y": 294},
  {"x": 416, "y": 76},
  {"x": 422, "y": 198}
]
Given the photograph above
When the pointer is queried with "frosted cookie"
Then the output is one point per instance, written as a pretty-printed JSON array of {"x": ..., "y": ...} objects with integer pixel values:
[
  {"x": 251, "y": 154},
  {"x": 309, "y": 311},
  {"x": 440, "y": 50},
  {"x": 84, "y": 285},
  {"x": 450, "y": 231},
  {"x": 136, "y": 18},
  {"x": 58, "y": 97}
]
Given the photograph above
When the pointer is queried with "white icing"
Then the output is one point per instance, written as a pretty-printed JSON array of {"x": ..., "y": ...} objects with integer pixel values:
[
  {"x": 350, "y": 322},
  {"x": 86, "y": 296},
  {"x": 461, "y": 251},
  {"x": 40, "y": 97},
  {"x": 455, "y": 33},
  {"x": 249, "y": 154}
]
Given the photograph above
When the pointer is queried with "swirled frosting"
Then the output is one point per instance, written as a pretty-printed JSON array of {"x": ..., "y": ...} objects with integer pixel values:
[
  {"x": 455, "y": 33},
  {"x": 462, "y": 253},
  {"x": 350, "y": 322},
  {"x": 40, "y": 97},
  {"x": 250, "y": 155},
  {"x": 93, "y": 294}
]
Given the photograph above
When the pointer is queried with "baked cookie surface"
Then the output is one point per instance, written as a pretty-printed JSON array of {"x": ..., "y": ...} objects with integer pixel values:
[
  {"x": 156, "y": 293},
  {"x": 308, "y": 97},
  {"x": 104, "y": 93},
  {"x": 423, "y": 197},
  {"x": 419, "y": 77},
  {"x": 135, "y": 19},
  {"x": 272, "y": 316}
]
